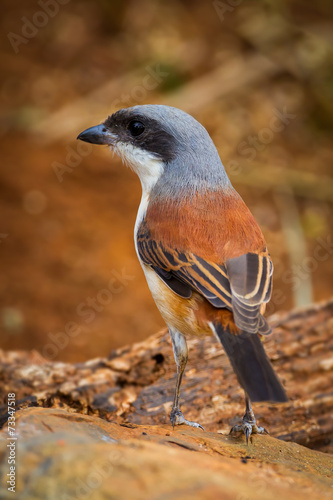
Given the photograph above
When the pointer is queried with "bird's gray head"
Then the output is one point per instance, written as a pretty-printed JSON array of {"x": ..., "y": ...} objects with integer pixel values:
[{"x": 162, "y": 142}]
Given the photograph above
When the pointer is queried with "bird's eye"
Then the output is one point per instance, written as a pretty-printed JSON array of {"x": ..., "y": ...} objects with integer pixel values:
[{"x": 136, "y": 128}]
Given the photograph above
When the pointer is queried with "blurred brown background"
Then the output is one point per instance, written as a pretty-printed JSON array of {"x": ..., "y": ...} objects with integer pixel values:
[{"x": 258, "y": 75}]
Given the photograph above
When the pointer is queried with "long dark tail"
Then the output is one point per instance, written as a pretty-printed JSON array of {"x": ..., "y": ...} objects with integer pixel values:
[{"x": 251, "y": 365}]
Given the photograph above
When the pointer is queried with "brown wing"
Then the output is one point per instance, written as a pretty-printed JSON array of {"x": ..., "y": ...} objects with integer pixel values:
[
  {"x": 212, "y": 244},
  {"x": 241, "y": 285}
]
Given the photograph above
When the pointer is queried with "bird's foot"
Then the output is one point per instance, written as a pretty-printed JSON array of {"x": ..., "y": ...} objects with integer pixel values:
[
  {"x": 177, "y": 418},
  {"x": 248, "y": 427}
]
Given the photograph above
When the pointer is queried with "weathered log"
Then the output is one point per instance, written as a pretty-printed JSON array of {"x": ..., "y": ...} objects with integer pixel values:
[
  {"x": 135, "y": 384},
  {"x": 64, "y": 451}
]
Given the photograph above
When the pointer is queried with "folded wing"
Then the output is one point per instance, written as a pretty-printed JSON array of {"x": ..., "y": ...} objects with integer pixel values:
[{"x": 241, "y": 284}]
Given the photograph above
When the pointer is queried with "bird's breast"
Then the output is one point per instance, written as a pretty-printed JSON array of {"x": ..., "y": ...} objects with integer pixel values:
[{"x": 185, "y": 315}]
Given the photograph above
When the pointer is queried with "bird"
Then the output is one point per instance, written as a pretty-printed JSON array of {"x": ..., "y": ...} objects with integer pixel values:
[{"x": 203, "y": 254}]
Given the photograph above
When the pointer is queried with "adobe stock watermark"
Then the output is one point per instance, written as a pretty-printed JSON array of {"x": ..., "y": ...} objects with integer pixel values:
[
  {"x": 153, "y": 78},
  {"x": 255, "y": 144},
  {"x": 100, "y": 471},
  {"x": 73, "y": 159},
  {"x": 294, "y": 277},
  {"x": 298, "y": 272},
  {"x": 87, "y": 310},
  {"x": 12, "y": 442},
  {"x": 223, "y": 8},
  {"x": 30, "y": 27}
]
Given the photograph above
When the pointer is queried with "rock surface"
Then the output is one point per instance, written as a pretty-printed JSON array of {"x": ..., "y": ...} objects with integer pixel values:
[
  {"x": 100, "y": 429},
  {"x": 66, "y": 456}
]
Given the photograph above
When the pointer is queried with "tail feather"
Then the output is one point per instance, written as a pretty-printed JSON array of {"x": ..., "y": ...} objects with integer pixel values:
[{"x": 251, "y": 365}]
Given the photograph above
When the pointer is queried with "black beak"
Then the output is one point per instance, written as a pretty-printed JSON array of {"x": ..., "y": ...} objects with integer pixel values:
[{"x": 97, "y": 135}]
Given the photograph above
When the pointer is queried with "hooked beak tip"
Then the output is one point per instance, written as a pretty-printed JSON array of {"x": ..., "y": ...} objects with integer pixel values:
[{"x": 97, "y": 135}]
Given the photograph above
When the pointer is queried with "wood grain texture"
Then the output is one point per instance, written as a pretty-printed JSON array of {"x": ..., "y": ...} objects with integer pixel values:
[{"x": 135, "y": 384}]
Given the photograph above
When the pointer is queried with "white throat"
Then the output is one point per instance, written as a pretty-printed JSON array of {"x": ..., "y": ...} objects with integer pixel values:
[{"x": 148, "y": 167}]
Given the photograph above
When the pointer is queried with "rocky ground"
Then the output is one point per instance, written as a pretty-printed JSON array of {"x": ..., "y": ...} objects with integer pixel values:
[{"x": 100, "y": 429}]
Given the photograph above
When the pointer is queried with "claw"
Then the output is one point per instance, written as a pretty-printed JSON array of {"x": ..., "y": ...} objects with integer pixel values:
[
  {"x": 247, "y": 434},
  {"x": 249, "y": 425},
  {"x": 248, "y": 428},
  {"x": 177, "y": 418}
]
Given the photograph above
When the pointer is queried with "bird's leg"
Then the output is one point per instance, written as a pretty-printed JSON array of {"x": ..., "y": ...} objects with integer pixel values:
[
  {"x": 181, "y": 355},
  {"x": 249, "y": 424}
]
